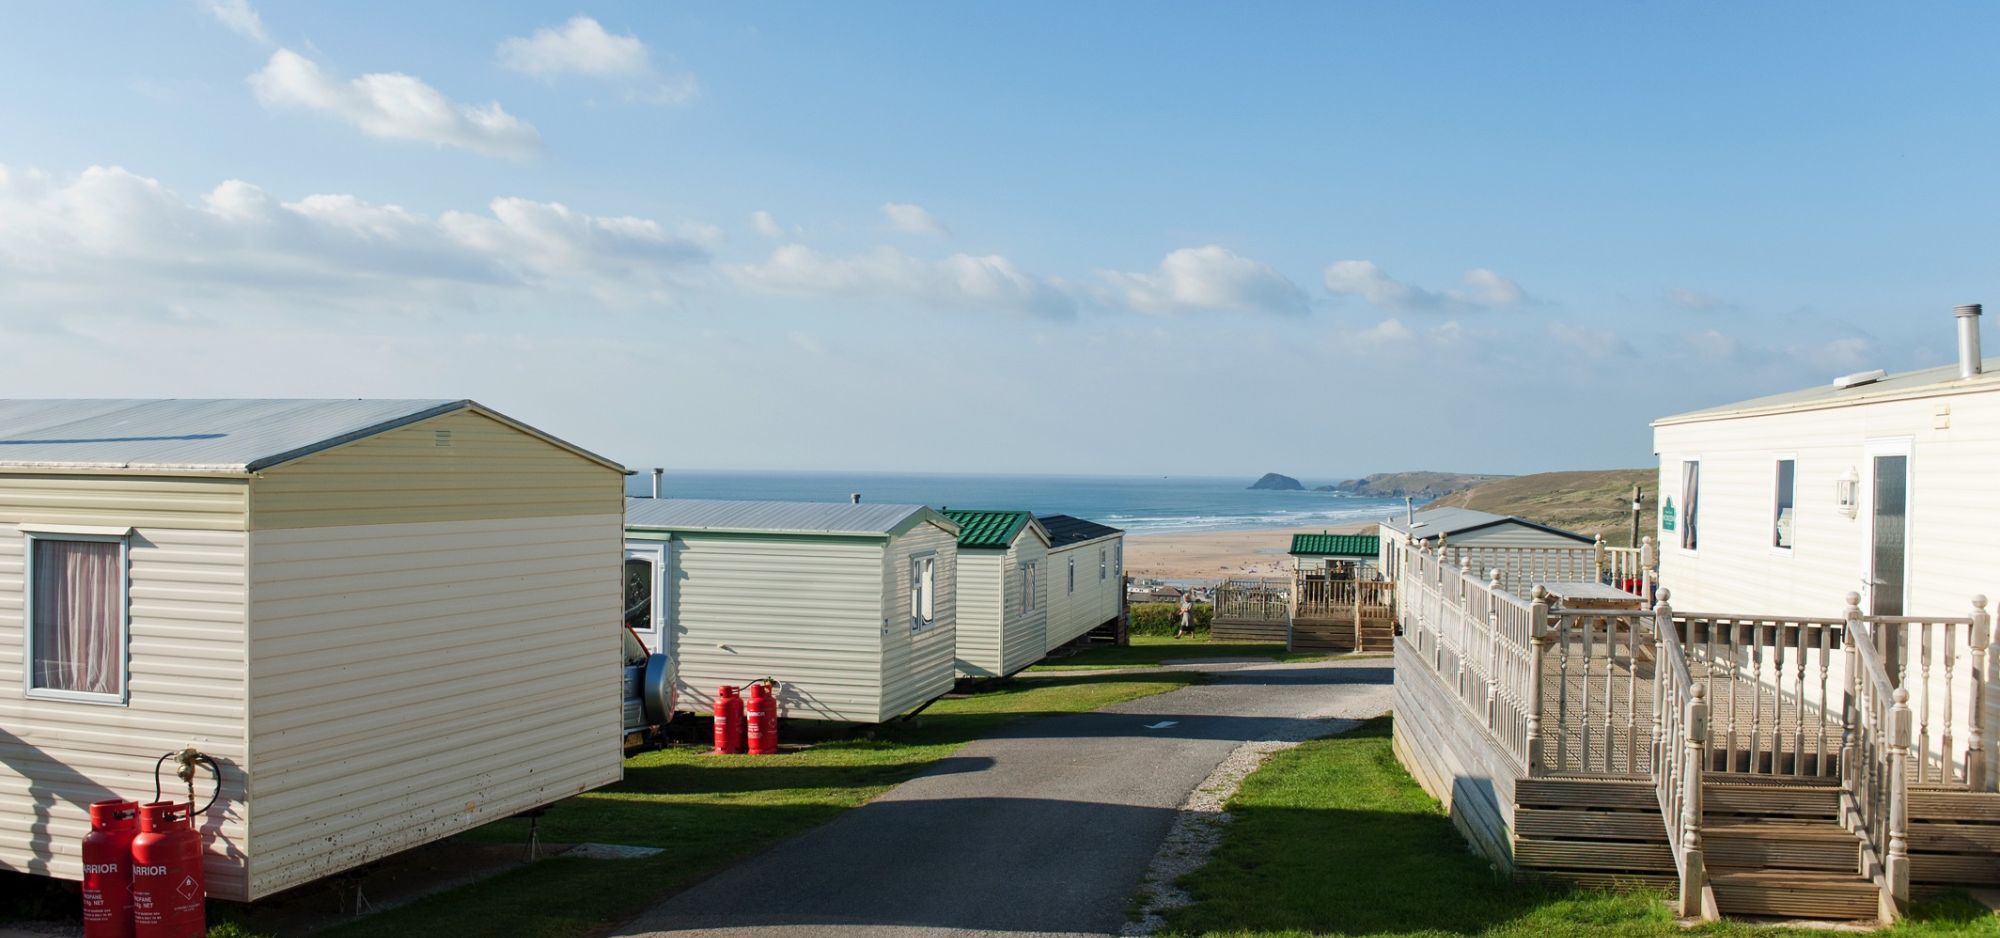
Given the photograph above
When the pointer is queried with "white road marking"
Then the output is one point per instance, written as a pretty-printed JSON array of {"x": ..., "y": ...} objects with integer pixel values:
[{"x": 1163, "y": 724}]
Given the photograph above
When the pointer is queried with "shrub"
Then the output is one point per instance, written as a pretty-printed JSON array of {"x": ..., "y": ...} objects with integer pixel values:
[{"x": 1162, "y": 618}]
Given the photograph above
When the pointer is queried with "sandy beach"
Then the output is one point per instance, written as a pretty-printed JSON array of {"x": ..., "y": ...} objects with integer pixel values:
[{"x": 1211, "y": 555}]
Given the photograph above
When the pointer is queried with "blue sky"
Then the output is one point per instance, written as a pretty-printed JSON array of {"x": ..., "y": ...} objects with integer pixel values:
[{"x": 1323, "y": 239}]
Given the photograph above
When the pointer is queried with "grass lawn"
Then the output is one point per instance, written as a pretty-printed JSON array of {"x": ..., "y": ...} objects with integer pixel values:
[
  {"x": 1334, "y": 837},
  {"x": 1154, "y": 650},
  {"x": 710, "y": 811}
]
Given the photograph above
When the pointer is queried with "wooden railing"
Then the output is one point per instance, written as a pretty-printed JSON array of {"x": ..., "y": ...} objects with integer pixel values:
[
  {"x": 1773, "y": 687},
  {"x": 1595, "y": 682},
  {"x": 1680, "y": 759},
  {"x": 1253, "y": 600},
  {"x": 1520, "y": 569},
  {"x": 1875, "y": 755},
  {"x": 1942, "y": 661},
  {"x": 1479, "y": 640}
]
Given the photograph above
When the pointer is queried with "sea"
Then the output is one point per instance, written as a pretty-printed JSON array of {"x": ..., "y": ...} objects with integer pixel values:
[{"x": 1136, "y": 504}]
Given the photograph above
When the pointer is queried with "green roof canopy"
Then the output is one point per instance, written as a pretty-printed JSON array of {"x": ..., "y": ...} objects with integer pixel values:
[
  {"x": 988, "y": 528},
  {"x": 1335, "y": 545}
]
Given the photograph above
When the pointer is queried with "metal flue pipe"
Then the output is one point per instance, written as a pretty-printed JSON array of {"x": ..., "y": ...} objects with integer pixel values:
[{"x": 1969, "y": 362}]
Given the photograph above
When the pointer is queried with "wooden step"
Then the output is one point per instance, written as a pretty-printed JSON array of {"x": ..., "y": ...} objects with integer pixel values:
[
  {"x": 1946, "y": 869},
  {"x": 1612, "y": 882},
  {"x": 1759, "y": 799},
  {"x": 1783, "y": 845},
  {"x": 1593, "y": 856},
  {"x": 1939, "y": 805},
  {"x": 1586, "y": 793},
  {"x": 1554, "y": 823},
  {"x": 1954, "y": 838},
  {"x": 1795, "y": 894}
]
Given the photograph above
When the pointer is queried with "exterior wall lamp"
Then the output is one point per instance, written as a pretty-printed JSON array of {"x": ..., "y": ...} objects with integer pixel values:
[{"x": 1847, "y": 491}]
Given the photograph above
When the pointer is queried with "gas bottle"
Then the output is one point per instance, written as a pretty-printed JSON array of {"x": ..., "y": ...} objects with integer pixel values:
[
  {"x": 167, "y": 894},
  {"x": 107, "y": 869},
  {"x": 728, "y": 720},
  {"x": 760, "y": 720}
]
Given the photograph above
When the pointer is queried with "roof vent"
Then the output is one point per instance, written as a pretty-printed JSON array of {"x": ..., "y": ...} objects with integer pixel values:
[
  {"x": 1859, "y": 378},
  {"x": 441, "y": 437},
  {"x": 1969, "y": 363}
]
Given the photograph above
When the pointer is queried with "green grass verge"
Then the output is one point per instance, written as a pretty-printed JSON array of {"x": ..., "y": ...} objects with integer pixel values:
[
  {"x": 1334, "y": 837},
  {"x": 1148, "y": 651},
  {"x": 710, "y": 811}
]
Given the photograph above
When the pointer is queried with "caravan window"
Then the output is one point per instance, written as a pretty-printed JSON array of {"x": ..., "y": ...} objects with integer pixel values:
[
  {"x": 1781, "y": 510},
  {"x": 1103, "y": 564},
  {"x": 1030, "y": 573},
  {"x": 923, "y": 592},
  {"x": 1690, "y": 503},
  {"x": 79, "y": 618},
  {"x": 1072, "y": 574}
]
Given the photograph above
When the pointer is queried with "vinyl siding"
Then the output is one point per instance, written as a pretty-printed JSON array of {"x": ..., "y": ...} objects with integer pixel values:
[
  {"x": 1513, "y": 535},
  {"x": 1095, "y": 601},
  {"x": 982, "y": 612},
  {"x": 187, "y": 683},
  {"x": 1026, "y": 636},
  {"x": 805, "y": 611},
  {"x": 413, "y": 680},
  {"x": 916, "y": 667},
  {"x": 489, "y": 470}
]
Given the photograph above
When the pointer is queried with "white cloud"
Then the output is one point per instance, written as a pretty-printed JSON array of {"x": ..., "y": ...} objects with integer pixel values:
[
  {"x": 1847, "y": 353},
  {"x": 238, "y": 242},
  {"x": 913, "y": 219},
  {"x": 583, "y": 47},
  {"x": 393, "y": 106},
  {"x": 1385, "y": 332},
  {"x": 240, "y": 17},
  {"x": 1596, "y": 343},
  {"x": 961, "y": 281},
  {"x": 1713, "y": 344},
  {"x": 1211, "y": 277},
  {"x": 766, "y": 224},
  {"x": 1367, "y": 280},
  {"x": 1698, "y": 301}
]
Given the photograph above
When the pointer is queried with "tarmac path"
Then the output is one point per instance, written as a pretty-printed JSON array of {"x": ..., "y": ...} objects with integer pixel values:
[{"x": 1043, "y": 829}]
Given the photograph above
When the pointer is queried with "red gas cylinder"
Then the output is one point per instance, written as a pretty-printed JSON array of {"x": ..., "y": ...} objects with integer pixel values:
[
  {"x": 728, "y": 720},
  {"x": 167, "y": 893},
  {"x": 107, "y": 869},
  {"x": 760, "y": 719}
]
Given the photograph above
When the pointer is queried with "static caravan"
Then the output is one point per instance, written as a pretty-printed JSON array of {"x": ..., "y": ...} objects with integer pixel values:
[
  {"x": 1087, "y": 577},
  {"x": 1344, "y": 556},
  {"x": 1003, "y": 598},
  {"x": 385, "y": 621},
  {"x": 851, "y": 608},
  {"x": 1878, "y": 483}
]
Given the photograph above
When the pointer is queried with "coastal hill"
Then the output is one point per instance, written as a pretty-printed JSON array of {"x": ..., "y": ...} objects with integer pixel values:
[
  {"x": 1587, "y": 502},
  {"x": 1422, "y": 486},
  {"x": 1275, "y": 482}
]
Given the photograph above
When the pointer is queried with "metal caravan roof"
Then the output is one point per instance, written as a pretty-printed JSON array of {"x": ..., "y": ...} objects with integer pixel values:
[
  {"x": 1449, "y": 521},
  {"x": 993, "y": 529},
  {"x": 1335, "y": 545},
  {"x": 1925, "y": 383},
  {"x": 218, "y": 436},
  {"x": 803, "y": 518},
  {"x": 1065, "y": 530}
]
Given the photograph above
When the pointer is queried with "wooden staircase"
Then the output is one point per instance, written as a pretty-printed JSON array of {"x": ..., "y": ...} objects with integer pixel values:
[
  {"x": 1378, "y": 633},
  {"x": 1780, "y": 850}
]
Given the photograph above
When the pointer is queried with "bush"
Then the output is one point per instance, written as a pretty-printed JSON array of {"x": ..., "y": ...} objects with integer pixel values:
[{"x": 1163, "y": 618}]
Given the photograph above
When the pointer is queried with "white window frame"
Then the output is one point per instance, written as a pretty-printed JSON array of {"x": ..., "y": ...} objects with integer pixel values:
[
  {"x": 657, "y": 553},
  {"x": 1118, "y": 558},
  {"x": 1775, "y": 461},
  {"x": 923, "y": 587},
  {"x": 1072, "y": 575},
  {"x": 1031, "y": 570},
  {"x": 1103, "y": 564},
  {"x": 1681, "y": 510},
  {"x": 28, "y": 688},
  {"x": 1905, "y": 447}
]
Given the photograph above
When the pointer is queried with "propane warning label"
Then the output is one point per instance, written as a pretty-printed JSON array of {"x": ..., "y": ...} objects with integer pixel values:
[{"x": 188, "y": 887}]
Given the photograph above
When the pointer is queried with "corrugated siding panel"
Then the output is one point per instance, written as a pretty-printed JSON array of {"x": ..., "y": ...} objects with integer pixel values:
[
  {"x": 489, "y": 470},
  {"x": 187, "y": 670},
  {"x": 1954, "y": 523},
  {"x": 806, "y": 611},
  {"x": 1026, "y": 635},
  {"x": 917, "y": 666},
  {"x": 1095, "y": 600},
  {"x": 982, "y": 610},
  {"x": 414, "y": 680}
]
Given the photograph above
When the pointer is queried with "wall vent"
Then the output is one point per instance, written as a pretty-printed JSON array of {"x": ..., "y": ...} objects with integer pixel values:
[{"x": 443, "y": 437}]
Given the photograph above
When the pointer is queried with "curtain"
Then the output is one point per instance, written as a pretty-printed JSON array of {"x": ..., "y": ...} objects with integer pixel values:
[
  {"x": 78, "y": 609},
  {"x": 1690, "y": 492}
]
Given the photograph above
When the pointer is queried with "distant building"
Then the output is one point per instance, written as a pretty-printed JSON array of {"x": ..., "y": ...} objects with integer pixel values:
[
  {"x": 1087, "y": 577},
  {"x": 851, "y": 608},
  {"x": 1003, "y": 591}
]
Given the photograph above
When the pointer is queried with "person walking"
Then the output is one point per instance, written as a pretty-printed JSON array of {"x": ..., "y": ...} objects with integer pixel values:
[{"x": 1187, "y": 614}]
